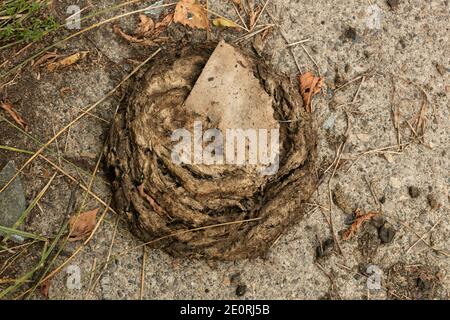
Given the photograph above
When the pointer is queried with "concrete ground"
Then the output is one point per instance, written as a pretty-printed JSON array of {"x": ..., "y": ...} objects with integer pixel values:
[{"x": 389, "y": 57}]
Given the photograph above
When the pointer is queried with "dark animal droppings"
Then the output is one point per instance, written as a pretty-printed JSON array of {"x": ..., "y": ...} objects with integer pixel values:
[
  {"x": 387, "y": 234},
  {"x": 241, "y": 289},
  {"x": 414, "y": 192}
]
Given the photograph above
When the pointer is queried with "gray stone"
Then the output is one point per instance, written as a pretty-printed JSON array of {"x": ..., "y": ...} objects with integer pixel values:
[
  {"x": 155, "y": 13},
  {"x": 12, "y": 199}
]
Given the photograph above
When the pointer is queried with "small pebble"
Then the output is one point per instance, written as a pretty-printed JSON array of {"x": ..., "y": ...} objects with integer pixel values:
[
  {"x": 378, "y": 221},
  {"x": 414, "y": 192},
  {"x": 386, "y": 234},
  {"x": 325, "y": 248},
  {"x": 235, "y": 278},
  {"x": 432, "y": 202},
  {"x": 241, "y": 289},
  {"x": 424, "y": 283},
  {"x": 351, "y": 34},
  {"x": 393, "y": 3}
]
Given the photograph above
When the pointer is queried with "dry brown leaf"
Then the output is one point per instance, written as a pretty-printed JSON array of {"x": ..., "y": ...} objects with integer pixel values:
[
  {"x": 141, "y": 41},
  {"x": 359, "y": 220},
  {"x": 45, "y": 288},
  {"x": 160, "y": 26},
  {"x": 67, "y": 61},
  {"x": 190, "y": 13},
  {"x": 309, "y": 86},
  {"x": 82, "y": 225},
  {"x": 146, "y": 31},
  {"x": 145, "y": 25},
  {"x": 8, "y": 107}
]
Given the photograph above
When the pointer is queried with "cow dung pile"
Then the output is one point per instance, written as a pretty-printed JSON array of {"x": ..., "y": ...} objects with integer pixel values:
[{"x": 221, "y": 210}]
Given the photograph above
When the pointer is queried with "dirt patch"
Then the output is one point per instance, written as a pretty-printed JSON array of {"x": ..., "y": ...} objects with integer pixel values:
[
  {"x": 414, "y": 282},
  {"x": 160, "y": 198}
]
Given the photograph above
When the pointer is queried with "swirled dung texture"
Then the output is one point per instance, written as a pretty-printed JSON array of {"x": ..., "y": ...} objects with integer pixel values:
[{"x": 232, "y": 211}]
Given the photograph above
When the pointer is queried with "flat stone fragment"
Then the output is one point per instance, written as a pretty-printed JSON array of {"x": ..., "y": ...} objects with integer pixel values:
[{"x": 229, "y": 94}]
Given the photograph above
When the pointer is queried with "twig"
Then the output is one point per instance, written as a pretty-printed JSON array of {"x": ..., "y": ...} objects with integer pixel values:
[
  {"x": 333, "y": 284},
  {"x": 359, "y": 88},
  {"x": 422, "y": 238},
  {"x": 253, "y": 33},
  {"x": 240, "y": 17},
  {"x": 94, "y": 284},
  {"x": 144, "y": 258},
  {"x": 285, "y": 39},
  {"x": 297, "y": 42},
  {"x": 259, "y": 14}
]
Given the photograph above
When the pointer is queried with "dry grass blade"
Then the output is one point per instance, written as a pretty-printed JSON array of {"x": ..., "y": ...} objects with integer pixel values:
[
  {"x": 9, "y": 108},
  {"x": 85, "y": 111},
  {"x": 79, "y": 249},
  {"x": 76, "y": 34},
  {"x": 32, "y": 205},
  {"x": 144, "y": 258},
  {"x": 12, "y": 231},
  {"x": 252, "y": 26}
]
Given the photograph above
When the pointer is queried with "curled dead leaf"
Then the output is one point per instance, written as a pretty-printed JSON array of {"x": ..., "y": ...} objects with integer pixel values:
[
  {"x": 190, "y": 13},
  {"x": 82, "y": 225},
  {"x": 309, "y": 86},
  {"x": 358, "y": 222},
  {"x": 147, "y": 30},
  {"x": 132, "y": 39},
  {"x": 67, "y": 61},
  {"x": 163, "y": 24},
  {"x": 145, "y": 25},
  {"x": 9, "y": 108}
]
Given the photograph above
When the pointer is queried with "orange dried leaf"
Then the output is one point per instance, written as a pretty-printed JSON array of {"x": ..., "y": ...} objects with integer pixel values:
[
  {"x": 82, "y": 225},
  {"x": 141, "y": 41},
  {"x": 309, "y": 86},
  {"x": 190, "y": 13},
  {"x": 224, "y": 23},
  {"x": 356, "y": 225},
  {"x": 67, "y": 61},
  {"x": 146, "y": 31},
  {"x": 8, "y": 107},
  {"x": 160, "y": 26}
]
